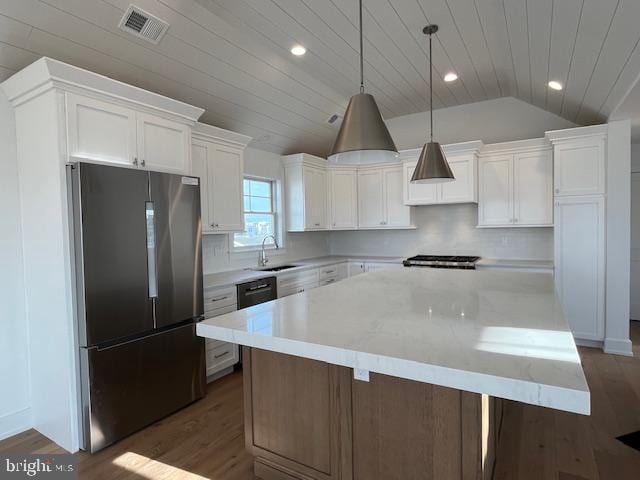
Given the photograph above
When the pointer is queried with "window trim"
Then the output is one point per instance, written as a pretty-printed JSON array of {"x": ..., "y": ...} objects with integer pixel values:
[{"x": 275, "y": 211}]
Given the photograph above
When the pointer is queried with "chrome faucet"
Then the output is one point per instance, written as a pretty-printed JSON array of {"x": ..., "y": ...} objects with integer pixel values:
[{"x": 263, "y": 260}]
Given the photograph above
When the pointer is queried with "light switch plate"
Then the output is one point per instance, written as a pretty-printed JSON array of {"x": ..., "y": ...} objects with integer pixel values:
[{"x": 361, "y": 374}]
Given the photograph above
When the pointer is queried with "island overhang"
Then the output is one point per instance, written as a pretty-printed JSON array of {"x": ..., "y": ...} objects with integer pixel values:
[{"x": 501, "y": 334}]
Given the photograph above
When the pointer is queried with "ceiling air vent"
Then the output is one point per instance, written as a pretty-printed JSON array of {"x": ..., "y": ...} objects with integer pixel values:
[{"x": 143, "y": 25}]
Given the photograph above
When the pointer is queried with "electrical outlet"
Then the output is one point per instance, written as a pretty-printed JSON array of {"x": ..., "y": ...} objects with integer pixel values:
[
  {"x": 361, "y": 374},
  {"x": 505, "y": 240}
]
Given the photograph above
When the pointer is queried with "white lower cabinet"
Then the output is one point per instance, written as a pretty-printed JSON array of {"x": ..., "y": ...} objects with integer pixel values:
[
  {"x": 297, "y": 282},
  {"x": 356, "y": 268},
  {"x": 579, "y": 261},
  {"x": 220, "y": 355},
  {"x": 375, "y": 266}
]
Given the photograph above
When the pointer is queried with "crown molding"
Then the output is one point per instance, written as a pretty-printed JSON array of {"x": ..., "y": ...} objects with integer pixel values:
[
  {"x": 205, "y": 132},
  {"x": 569, "y": 134},
  {"x": 534, "y": 144},
  {"x": 305, "y": 159},
  {"x": 46, "y": 74}
]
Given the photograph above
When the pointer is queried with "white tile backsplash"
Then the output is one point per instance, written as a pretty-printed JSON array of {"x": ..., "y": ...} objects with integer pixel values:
[{"x": 447, "y": 229}]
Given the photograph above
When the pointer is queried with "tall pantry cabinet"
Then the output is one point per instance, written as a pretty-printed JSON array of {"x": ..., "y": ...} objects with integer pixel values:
[{"x": 579, "y": 235}]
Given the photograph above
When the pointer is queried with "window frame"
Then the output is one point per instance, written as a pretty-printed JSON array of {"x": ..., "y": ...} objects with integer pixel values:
[{"x": 274, "y": 212}]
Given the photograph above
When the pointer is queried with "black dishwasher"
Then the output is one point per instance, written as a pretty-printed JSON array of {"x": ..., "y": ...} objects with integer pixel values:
[{"x": 257, "y": 291}]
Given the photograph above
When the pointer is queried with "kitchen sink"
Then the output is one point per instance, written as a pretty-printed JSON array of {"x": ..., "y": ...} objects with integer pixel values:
[{"x": 276, "y": 269}]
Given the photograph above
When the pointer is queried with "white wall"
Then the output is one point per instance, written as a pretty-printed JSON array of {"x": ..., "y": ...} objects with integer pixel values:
[
  {"x": 15, "y": 414},
  {"x": 215, "y": 248},
  {"x": 492, "y": 121},
  {"x": 448, "y": 229}
]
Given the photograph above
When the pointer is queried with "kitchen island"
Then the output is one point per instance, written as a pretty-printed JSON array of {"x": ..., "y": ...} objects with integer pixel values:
[{"x": 434, "y": 352}]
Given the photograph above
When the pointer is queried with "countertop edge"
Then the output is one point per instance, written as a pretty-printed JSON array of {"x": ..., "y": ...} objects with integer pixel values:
[{"x": 558, "y": 398}]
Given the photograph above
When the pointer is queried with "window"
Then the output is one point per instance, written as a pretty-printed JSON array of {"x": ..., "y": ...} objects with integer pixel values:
[{"x": 259, "y": 214}]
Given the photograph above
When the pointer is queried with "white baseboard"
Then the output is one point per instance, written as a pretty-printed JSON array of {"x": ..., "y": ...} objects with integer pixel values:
[
  {"x": 15, "y": 422},
  {"x": 618, "y": 346},
  {"x": 589, "y": 343}
]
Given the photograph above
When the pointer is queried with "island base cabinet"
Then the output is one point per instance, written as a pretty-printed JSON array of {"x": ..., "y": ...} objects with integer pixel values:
[{"x": 306, "y": 419}]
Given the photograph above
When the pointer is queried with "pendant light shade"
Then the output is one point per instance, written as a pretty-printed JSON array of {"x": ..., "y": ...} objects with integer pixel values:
[
  {"x": 432, "y": 165},
  {"x": 363, "y": 136}
]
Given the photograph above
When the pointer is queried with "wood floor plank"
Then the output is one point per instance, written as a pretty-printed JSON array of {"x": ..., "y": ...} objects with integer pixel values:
[{"x": 206, "y": 439}]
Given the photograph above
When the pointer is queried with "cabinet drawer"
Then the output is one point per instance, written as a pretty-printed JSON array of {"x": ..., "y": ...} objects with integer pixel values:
[
  {"x": 329, "y": 281},
  {"x": 219, "y": 297},
  {"x": 221, "y": 357},
  {"x": 296, "y": 288},
  {"x": 216, "y": 312},
  {"x": 333, "y": 271},
  {"x": 306, "y": 276},
  {"x": 212, "y": 344}
]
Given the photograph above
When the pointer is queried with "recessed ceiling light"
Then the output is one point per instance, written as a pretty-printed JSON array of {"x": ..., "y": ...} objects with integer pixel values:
[
  {"x": 555, "y": 85},
  {"x": 450, "y": 77},
  {"x": 298, "y": 50}
]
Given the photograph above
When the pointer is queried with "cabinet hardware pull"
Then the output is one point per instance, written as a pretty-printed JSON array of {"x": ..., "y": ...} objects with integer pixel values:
[
  {"x": 143, "y": 163},
  {"x": 135, "y": 161},
  {"x": 219, "y": 298},
  {"x": 329, "y": 271},
  {"x": 557, "y": 190},
  {"x": 221, "y": 355}
]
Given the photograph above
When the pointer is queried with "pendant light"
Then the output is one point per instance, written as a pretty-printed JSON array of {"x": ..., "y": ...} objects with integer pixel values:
[
  {"x": 432, "y": 166},
  {"x": 363, "y": 136}
]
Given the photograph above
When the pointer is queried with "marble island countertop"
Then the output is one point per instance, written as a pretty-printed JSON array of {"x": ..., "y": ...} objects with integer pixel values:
[{"x": 493, "y": 332}]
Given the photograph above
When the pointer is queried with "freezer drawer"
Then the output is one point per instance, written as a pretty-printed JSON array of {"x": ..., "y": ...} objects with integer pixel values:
[{"x": 128, "y": 386}]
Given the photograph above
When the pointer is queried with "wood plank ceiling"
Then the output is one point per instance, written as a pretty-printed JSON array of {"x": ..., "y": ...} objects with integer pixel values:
[{"x": 232, "y": 57}]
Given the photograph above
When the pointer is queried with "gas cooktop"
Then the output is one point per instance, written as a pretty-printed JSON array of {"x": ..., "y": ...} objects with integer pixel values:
[{"x": 442, "y": 261}]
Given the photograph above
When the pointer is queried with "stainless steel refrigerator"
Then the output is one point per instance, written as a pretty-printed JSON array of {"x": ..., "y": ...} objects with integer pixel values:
[{"x": 139, "y": 295}]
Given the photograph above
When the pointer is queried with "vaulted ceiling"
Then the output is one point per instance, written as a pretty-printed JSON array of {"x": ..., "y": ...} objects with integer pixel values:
[{"x": 232, "y": 57}]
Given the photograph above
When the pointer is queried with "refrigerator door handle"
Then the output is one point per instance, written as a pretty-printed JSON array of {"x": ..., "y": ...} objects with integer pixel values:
[{"x": 152, "y": 260}]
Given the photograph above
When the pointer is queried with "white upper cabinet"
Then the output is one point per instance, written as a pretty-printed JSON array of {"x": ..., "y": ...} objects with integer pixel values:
[
  {"x": 396, "y": 213},
  {"x": 315, "y": 202},
  {"x": 533, "y": 185},
  {"x": 417, "y": 193},
  {"x": 342, "y": 198},
  {"x": 370, "y": 198},
  {"x": 579, "y": 160},
  {"x": 105, "y": 132},
  {"x": 217, "y": 158},
  {"x": 496, "y": 190},
  {"x": 305, "y": 192},
  {"x": 163, "y": 145},
  {"x": 463, "y": 160},
  {"x": 100, "y": 130},
  {"x": 515, "y": 185},
  {"x": 380, "y": 198}
]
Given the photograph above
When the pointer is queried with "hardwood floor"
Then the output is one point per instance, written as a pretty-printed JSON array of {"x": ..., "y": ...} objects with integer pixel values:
[{"x": 206, "y": 440}]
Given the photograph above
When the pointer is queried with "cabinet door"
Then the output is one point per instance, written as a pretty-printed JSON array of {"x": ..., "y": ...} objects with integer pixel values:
[
  {"x": 579, "y": 167},
  {"x": 163, "y": 145},
  {"x": 579, "y": 263},
  {"x": 417, "y": 193},
  {"x": 225, "y": 189},
  {"x": 199, "y": 163},
  {"x": 315, "y": 198},
  {"x": 463, "y": 188},
  {"x": 397, "y": 214},
  {"x": 343, "y": 199},
  {"x": 533, "y": 188},
  {"x": 101, "y": 131},
  {"x": 370, "y": 198},
  {"x": 496, "y": 191}
]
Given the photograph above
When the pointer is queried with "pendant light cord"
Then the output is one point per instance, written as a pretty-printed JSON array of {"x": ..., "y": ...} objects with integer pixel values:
[
  {"x": 361, "y": 54},
  {"x": 430, "y": 89}
]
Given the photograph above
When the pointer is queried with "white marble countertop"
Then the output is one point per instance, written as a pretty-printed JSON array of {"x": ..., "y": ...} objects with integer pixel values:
[
  {"x": 515, "y": 263},
  {"x": 232, "y": 277},
  {"x": 484, "y": 331}
]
